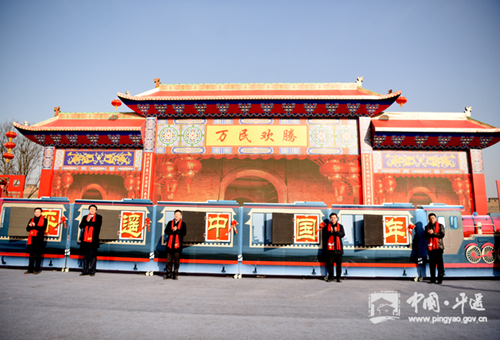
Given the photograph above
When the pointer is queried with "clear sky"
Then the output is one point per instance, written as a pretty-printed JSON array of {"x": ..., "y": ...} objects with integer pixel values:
[{"x": 443, "y": 55}]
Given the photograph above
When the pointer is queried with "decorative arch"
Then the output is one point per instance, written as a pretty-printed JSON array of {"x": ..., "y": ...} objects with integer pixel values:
[
  {"x": 423, "y": 190},
  {"x": 272, "y": 177},
  {"x": 96, "y": 187}
]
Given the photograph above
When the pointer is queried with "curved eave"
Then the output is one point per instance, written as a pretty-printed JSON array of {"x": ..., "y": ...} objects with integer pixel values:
[{"x": 255, "y": 97}]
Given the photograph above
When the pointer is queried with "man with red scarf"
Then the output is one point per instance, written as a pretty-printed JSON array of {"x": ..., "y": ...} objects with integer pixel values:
[
  {"x": 332, "y": 246},
  {"x": 36, "y": 242},
  {"x": 434, "y": 233},
  {"x": 176, "y": 230},
  {"x": 91, "y": 225}
]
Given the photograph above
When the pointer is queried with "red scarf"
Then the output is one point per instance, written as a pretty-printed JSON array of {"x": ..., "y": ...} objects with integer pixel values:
[
  {"x": 331, "y": 245},
  {"x": 177, "y": 243},
  {"x": 34, "y": 232},
  {"x": 434, "y": 241},
  {"x": 89, "y": 230}
]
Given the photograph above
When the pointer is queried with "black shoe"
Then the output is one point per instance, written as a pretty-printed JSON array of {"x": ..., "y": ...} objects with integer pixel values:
[
  {"x": 92, "y": 274},
  {"x": 338, "y": 280},
  {"x": 432, "y": 281},
  {"x": 175, "y": 278},
  {"x": 439, "y": 282},
  {"x": 330, "y": 279},
  {"x": 36, "y": 272},
  {"x": 166, "y": 277},
  {"x": 28, "y": 272},
  {"x": 82, "y": 274}
]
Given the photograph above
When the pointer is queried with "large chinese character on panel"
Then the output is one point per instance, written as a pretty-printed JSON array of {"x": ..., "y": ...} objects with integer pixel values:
[
  {"x": 132, "y": 225},
  {"x": 217, "y": 227},
  {"x": 53, "y": 217},
  {"x": 396, "y": 230},
  {"x": 306, "y": 228}
]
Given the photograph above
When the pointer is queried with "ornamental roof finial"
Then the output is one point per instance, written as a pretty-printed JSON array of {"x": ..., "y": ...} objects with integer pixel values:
[
  {"x": 57, "y": 110},
  {"x": 157, "y": 82},
  {"x": 359, "y": 81},
  {"x": 468, "y": 111}
]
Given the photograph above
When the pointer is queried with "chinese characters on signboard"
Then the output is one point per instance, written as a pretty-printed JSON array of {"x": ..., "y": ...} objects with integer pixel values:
[
  {"x": 306, "y": 228},
  {"x": 53, "y": 217},
  {"x": 132, "y": 225},
  {"x": 255, "y": 135},
  {"x": 396, "y": 230},
  {"x": 217, "y": 227}
]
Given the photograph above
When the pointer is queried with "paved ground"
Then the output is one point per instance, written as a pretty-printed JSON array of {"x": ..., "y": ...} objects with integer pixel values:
[{"x": 55, "y": 305}]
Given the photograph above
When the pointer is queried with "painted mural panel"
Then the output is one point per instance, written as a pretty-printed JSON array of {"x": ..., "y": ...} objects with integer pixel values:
[
  {"x": 97, "y": 174},
  {"x": 422, "y": 177},
  {"x": 257, "y": 160}
]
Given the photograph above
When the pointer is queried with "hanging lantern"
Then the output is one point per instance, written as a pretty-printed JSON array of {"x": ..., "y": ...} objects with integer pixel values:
[
  {"x": 333, "y": 169},
  {"x": 129, "y": 182},
  {"x": 116, "y": 103},
  {"x": 66, "y": 180},
  {"x": 458, "y": 186},
  {"x": 188, "y": 166},
  {"x": 9, "y": 145},
  {"x": 8, "y": 156},
  {"x": 401, "y": 100},
  {"x": 57, "y": 182}
]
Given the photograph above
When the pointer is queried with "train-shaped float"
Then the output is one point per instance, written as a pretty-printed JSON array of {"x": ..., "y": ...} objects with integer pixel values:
[{"x": 256, "y": 239}]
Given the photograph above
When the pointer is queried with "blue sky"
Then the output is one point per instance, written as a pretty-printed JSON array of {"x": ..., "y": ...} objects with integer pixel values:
[{"x": 443, "y": 55}]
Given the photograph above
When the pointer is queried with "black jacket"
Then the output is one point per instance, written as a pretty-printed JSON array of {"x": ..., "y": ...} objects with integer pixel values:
[
  {"x": 326, "y": 235},
  {"x": 95, "y": 233},
  {"x": 439, "y": 235},
  {"x": 172, "y": 234},
  {"x": 37, "y": 241}
]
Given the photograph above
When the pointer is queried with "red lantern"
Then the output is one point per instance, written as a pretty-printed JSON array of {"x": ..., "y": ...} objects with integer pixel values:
[
  {"x": 458, "y": 186},
  {"x": 129, "y": 182},
  {"x": 57, "y": 182},
  {"x": 116, "y": 103},
  {"x": 67, "y": 180},
  {"x": 10, "y": 145},
  {"x": 11, "y": 134},
  {"x": 333, "y": 169},
  {"x": 401, "y": 100},
  {"x": 188, "y": 166},
  {"x": 389, "y": 183},
  {"x": 8, "y": 156}
]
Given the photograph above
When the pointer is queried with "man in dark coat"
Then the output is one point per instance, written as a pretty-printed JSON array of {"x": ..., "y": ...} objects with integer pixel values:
[
  {"x": 434, "y": 233},
  {"x": 332, "y": 246},
  {"x": 176, "y": 230},
  {"x": 91, "y": 225},
  {"x": 36, "y": 242}
]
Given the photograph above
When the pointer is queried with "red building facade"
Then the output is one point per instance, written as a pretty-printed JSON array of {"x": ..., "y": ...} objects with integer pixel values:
[{"x": 273, "y": 143}]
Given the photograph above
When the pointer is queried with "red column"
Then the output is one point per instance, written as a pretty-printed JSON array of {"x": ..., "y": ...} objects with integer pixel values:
[
  {"x": 45, "y": 186},
  {"x": 478, "y": 183},
  {"x": 366, "y": 150},
  {"x": 148, "y": 159}
]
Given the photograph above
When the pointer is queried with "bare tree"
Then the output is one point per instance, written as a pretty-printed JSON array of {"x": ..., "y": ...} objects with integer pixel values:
[{"x": 27, "y": 157}]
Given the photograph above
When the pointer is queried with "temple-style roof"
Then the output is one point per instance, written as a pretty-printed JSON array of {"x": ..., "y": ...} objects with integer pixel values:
[
  {"x": 259, "y": 100},
  {"x": 431, "y": 130},
  {"x": 84, "y": 129}
]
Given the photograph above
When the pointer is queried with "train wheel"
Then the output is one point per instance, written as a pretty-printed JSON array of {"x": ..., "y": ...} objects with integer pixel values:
[
  {"x": 488, "y": 258},
  {"x": 473, "y": 254}
]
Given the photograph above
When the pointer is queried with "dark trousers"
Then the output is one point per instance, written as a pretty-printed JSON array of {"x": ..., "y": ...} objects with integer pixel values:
[
  {"x": 337, "y": 259},
  {"x": 89, "y": 260},
  {"x": 35, "y": 259},
  {"x": 436, "y": 260},
  {"x": 175, "y": 258}
]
